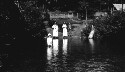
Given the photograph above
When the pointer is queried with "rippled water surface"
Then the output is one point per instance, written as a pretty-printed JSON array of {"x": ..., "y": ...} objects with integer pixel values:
[{"x": 73, "y": 54}]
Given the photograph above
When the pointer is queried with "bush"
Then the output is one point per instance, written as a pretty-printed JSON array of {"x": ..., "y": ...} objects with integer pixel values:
[{"x": 111, "y": 24}]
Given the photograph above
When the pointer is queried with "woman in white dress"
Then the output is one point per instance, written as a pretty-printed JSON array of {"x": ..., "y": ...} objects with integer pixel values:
[
  {"x": 65, "y": 33},
  {"x": 55, "y": 30}
]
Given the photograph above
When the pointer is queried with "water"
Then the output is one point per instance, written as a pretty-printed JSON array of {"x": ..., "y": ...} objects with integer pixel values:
[
  {"x": 21, "y": 52},
  {"x": 77, "y": 55},
  {"x": 74, "y": 54}
]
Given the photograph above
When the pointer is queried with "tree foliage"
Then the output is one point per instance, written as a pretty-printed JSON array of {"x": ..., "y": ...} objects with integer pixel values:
[{"x": 110, "y": 24}]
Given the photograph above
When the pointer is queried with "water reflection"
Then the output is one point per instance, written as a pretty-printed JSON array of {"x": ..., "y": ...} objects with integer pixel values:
[
  {"x": 52, "y": 48},
  {"x": 49, "y": 53},
  {"x": 65, "y": 43},
  {"x": 49, "y": 48},
  {"x": 52, "y": 52},
  {"x": 92, "y": 44},
  {"x": 65, "y": 53},
  {"x": 80, "y": 58},
  {"x": 49, "y": 41},
  {"x": 55, "y": 47}
]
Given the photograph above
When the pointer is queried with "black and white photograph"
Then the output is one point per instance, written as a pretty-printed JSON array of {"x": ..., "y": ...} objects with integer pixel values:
[{"x": 62, "y": 35}]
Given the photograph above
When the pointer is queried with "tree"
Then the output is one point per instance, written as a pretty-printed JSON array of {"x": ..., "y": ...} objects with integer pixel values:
[{"x": 84, "y": 5}]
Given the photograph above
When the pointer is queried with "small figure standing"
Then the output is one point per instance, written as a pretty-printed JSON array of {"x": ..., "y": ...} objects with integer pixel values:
[
  {"x": 69, "y": 26},
  {"x": 49, "y": 40},
  {"x": 55, "y": 30},
  {"x": 65, "y": 33}
]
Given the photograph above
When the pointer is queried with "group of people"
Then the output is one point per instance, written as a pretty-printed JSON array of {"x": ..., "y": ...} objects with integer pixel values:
[
  {"x": 55, "y": 30},
  {"x": 65, "y": 31}
]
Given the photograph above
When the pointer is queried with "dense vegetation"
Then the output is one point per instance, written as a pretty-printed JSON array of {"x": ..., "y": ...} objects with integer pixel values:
[{"x": 108, "y": 25}]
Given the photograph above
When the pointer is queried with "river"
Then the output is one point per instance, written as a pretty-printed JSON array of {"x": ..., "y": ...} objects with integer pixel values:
[{"x": 74, "y": 54}]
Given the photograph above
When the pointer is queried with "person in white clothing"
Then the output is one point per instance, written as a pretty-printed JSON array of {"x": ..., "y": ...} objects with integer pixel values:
[
  {"x": 91, "y": 34},
  {"x": 65, "y": 33},
  {"x": 49, "y": 40},
  {"x": 55, "y": 30}
]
